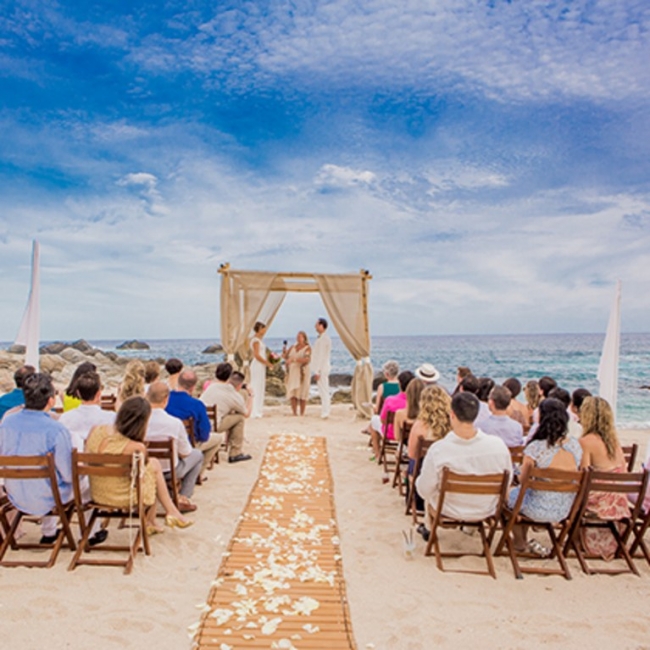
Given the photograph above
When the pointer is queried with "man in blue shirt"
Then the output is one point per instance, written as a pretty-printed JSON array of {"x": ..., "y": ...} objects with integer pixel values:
[
  {"x": 32, "y": 432},
  {"x": 183, "y": 405},
  {"x": 15, "y": 397}
]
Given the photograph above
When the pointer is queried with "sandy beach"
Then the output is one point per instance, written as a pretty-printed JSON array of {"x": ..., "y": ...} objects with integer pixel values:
[{"x": 394, "y": 603}]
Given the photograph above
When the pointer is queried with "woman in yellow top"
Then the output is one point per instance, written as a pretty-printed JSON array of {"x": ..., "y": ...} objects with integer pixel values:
[
  {"x": 70, "y": 398},
  {"x": 125, "y": 437},
  {"x": 297, "y": 358}
]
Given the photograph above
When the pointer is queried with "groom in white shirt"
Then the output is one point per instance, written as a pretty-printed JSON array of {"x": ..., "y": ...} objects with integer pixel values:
[{"x": 320, "y": 365}]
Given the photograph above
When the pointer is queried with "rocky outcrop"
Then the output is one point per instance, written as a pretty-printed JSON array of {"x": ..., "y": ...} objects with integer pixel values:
[
  {"x": 213, "y": 349},
  {"x": 133, "y": 345}
]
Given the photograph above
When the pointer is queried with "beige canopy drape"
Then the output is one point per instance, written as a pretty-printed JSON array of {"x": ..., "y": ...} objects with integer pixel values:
[{"x": 249, "y": 296}]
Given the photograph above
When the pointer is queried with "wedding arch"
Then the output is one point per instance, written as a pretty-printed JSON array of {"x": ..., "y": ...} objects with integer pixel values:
[{"x": 249, "y": 296}]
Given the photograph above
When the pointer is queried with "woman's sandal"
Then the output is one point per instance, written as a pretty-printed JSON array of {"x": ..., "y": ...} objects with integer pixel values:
[{"x": 535, "y": 548}]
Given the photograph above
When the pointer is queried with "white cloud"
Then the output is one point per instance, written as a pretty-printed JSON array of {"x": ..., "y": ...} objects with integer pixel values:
[
  {"x": 333, "y": 176},
  {"x": 519, "y": 51}
]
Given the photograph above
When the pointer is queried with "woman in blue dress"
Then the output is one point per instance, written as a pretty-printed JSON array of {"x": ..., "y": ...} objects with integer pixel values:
[{"x": 552, "y": 447}]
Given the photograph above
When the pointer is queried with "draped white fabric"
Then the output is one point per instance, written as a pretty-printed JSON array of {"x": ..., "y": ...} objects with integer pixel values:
[
  {"x": 608, "y": 367},
  {"x": 29, "y": 332}
]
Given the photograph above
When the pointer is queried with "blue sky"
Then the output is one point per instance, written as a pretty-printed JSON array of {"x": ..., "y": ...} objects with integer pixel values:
[{"x": 487, "y": 161}]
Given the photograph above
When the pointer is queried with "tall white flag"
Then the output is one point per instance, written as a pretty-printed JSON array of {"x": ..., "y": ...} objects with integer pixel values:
[
  {"x": 30, "y": 328},
  {"x": 608, "y": 367}
]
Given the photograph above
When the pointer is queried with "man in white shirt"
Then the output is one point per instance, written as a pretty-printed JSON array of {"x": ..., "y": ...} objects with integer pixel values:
[
  {"x": 232, "y": 408},
  {"x": 79, "y": 421},
  {"x": 321, "y": 365},
  {"x": 163, "y": 426},
  {"x": 464, "y": 450}
]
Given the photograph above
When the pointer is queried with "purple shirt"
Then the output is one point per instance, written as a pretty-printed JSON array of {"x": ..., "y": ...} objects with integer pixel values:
[{"x": 504, "y": 427}]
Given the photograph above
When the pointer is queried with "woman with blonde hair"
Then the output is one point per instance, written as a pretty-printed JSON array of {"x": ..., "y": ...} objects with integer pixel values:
[
  {"x": 533, "y": 396},
  {"x": 133, "y": 381},
  {"x": 602, "y": 451},
  {"x": 297, "y": 358},
  {"x": 433, "y": 421}
]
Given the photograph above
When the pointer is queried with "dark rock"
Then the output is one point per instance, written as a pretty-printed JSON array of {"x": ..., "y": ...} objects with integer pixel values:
[
  {"x": 213, "y": 349},
  {"x": 340, "y": 379},
  {"x": 645, "y": 387},
  {"x": 82, "y": 346},
  {"x": 133, "y": 345},
  {"x": 17, "y": 349},
  {"x": 54, "y": 348},
  {"x": 377, "y": 381},
  {"x": 342, "y": 397},
  {"x": 111, "y": 355}
]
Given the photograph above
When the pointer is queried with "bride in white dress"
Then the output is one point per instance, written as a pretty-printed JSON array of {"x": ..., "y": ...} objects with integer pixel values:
[{"x": 259, "y": 364}]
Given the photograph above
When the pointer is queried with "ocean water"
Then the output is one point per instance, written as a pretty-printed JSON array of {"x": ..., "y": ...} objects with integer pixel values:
[{"x": 571, "y": 359}]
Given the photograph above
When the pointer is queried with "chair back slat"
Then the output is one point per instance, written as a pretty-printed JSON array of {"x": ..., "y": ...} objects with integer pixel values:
[
  {"x": 489, "y": 484},
  {"x": 189, "y": 427},
  {"x": 630, "y": 452},
  {"x": 24, "y": 467},
  {"x": 517, "y": 454}
]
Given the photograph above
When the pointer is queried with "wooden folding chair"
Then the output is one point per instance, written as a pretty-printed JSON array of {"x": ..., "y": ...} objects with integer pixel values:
[
  {"x": 630, "y": 452},
  {"x": 401, "y": 459},
  {"x": 108, "y": 402},
  {"x": 26, "y": 468},
  {"x": 641, "y": 525},
  {"x": 386, "y": 444},
  {"x": 212, "y": 416},
  {"x": 420, "y": 452},
  {"x": 517, "y": 458},
  {"x": 548, "y": 480},
  {"x": 131, "y": 467},
  {"x": 621, "y": 529},
  {"x": 166, "y": 450},
  {"x": 189, "y": 427},
  {"x": 488, "y": 485}
]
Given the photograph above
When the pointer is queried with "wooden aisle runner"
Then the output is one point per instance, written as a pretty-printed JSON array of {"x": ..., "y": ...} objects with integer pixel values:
[{"x": 280, "y": 583}]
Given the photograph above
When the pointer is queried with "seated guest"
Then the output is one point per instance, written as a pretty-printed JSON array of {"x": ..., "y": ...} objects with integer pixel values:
[
  {"x": 432, "y": 422},
  {"x": 577, "y": 398},
  {"x": 602, "y": 451},
  {"x": 533, "y": 396},
  {"x": 516, "y": 410},
  {"x": 70, "y": 398},
  {"x": 89, "y": 414},
  {"x": 461, "y": 373},
  {"x": 552, "y": 447},
  {"x": 546, "y": 385},
  {"x": 79, "y": 422},
  {"x": 15, "y": 397},
  {"x": 465, "y": 450},
  {"x": 32, "y": 432},
  {"x": 173, "y": 367},
  {"x": 233, "y": 407},
  {"x": 151, "y": 374},
  {"x": 183, "y": 405},
  {"x": 388, "y": 387},
  {"x": 409, "y": 413},
  {"x": 485, "y": 385},
  {"x": 575, "y": 430},
  {"x": 427, "y": 373},
  {"x": 126, "y": 437},
  {"x": 391, "y": 404},
  {"x": 498, "y": 423},
  {"x": 133, "y": 382},
  {"x": 471, "y": 384},
  {"x": 163, "y": 426}
]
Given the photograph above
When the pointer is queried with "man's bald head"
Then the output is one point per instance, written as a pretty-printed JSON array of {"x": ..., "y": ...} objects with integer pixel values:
[
  {"x": 187, "y": 380},
  {"x": 158, "y": 394}
]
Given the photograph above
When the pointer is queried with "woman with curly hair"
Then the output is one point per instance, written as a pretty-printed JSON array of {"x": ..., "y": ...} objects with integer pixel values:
[
  {"x": 550, "y": 446},
  {"x": 602, "y": 451},
  {"x": 133, "y": 381},
  {"x": 433, "y": 421}
]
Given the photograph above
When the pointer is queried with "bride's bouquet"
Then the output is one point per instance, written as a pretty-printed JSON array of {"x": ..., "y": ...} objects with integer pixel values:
[{"x": 272, "y": 357}]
